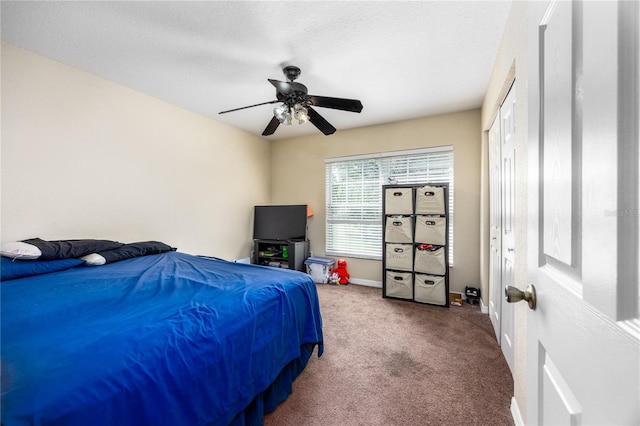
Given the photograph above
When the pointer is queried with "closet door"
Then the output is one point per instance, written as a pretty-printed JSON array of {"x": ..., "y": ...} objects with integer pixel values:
[
  {"x": 508, "y": 171},
  {"x": 496, "y": 291},
  {"x": 502, "y": 171}
]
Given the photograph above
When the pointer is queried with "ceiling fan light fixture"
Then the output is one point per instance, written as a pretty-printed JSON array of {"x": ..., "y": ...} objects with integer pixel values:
[
  {"x": 300, "y": 113},
  {"x": 282, "y": 113}
]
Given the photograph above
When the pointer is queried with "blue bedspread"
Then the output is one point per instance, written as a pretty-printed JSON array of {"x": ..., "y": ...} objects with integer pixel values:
[{"x": 168, "y": 339}]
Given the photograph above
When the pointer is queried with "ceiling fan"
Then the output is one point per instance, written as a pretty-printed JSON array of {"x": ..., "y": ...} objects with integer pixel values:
[{"x": 295, "y": 103}]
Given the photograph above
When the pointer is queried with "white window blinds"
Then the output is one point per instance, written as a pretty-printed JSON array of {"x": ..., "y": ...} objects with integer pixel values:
[{"x": 354, "y": 195}]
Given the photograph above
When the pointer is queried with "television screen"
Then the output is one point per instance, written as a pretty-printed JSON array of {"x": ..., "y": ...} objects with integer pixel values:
[{"x": 280, "y": 222}]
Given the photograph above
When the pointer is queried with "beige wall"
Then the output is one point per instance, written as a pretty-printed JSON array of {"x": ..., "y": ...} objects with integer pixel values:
[
  {"x": 510, "y": 64},
  {"x": 299, "y": 177},
  {"x": 104, "y": 161},
  {"x": 83, "y": 157}
]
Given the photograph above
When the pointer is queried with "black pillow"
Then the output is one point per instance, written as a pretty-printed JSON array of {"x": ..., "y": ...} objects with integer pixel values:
[
  {"x": 66, "y": 249},
  {"x": 128, "y": 251}
]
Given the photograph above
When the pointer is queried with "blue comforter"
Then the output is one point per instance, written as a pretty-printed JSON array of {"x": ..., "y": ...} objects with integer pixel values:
[{"x": 167, "y": 339}]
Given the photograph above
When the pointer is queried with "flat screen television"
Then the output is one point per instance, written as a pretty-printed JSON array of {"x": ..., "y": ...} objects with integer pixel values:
[{"x": 280, "y": 222}]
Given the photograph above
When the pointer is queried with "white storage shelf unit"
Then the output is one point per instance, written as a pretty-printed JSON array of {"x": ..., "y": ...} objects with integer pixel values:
[{"x": 415, "y": 257}]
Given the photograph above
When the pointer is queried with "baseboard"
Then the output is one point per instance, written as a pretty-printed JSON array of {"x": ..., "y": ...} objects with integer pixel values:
[
  {"x": 368, "y": 283},
  {"x": 484, "y": 308},
  {"x": 515, "y": 413}
]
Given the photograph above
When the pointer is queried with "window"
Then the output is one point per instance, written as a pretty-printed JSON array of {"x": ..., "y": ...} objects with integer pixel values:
[{"x": 354, "y": 195}]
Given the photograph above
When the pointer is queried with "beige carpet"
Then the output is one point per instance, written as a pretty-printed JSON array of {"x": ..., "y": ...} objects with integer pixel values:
[{"x": 391, "y": 362}]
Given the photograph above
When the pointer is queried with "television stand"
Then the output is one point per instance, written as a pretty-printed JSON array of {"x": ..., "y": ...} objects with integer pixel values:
[{"x": 289, "y": 254}]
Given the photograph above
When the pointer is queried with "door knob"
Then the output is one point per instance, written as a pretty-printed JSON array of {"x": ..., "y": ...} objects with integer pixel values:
[{"x": 513, "y": 295}]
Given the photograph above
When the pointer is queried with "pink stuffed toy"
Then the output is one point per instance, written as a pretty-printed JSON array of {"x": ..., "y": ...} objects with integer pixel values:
[{"x": 341, "y": 270}]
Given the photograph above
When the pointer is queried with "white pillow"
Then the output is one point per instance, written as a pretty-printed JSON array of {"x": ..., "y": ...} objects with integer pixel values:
[
  {"x": 94, "y": 259},
  {"x": 20, "y": 250}
]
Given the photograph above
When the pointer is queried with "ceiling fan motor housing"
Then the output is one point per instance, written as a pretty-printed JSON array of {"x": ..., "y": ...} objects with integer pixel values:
[
  {"x": 291, "y": 72},
  {"x": 294, "y": 97}
]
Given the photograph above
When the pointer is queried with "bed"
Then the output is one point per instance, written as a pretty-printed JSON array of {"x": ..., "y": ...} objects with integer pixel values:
[{"x": 162, "y": 339}]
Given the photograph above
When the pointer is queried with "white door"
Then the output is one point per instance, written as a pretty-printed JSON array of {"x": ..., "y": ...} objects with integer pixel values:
[
  {"x": 583, "y": 340},
  {"x": 507, "y": 196},
  {"x": 496, "y": 291},
  {"x": 501, "y": 222}
]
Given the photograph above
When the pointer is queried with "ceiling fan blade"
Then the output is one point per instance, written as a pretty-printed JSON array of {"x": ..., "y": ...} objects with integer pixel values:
[
  {"x": 352, "y": 105},
  {"x": 271, "y": 127},
  {"x": 319, "y": 121},
  {"x": 288, "y": 87},
  {"x": 250, "y": 106}
]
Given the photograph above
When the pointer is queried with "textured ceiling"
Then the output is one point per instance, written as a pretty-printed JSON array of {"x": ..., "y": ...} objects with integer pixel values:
[{"x": 403, "y": 60}]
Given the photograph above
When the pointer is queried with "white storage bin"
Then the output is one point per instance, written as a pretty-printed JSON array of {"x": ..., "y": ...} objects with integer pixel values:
[
  {"x": 430, "y": 261},
  {"x": 431, "y": 230},
  {"x": 399, "y": 284},
  {"x": 398, "y": 229},
  {"x": 399, "y": 256},
  {"x": 398, "y": 200},
  {"x": 430, "y": 200},
  {"x": 320, "y": 268},
  {"x": 430, "y": 289}
]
